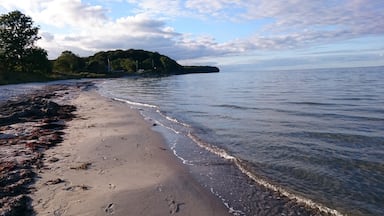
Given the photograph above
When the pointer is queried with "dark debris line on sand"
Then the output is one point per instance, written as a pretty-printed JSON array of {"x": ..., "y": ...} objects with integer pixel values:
[{"x": 29, "y": 125}]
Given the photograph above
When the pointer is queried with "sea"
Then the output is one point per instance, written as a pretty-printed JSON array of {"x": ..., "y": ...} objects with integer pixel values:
[{"x": 315, "y": 136}]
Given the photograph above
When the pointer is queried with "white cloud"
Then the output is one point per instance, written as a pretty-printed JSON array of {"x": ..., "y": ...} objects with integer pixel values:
[
  {"x": 288, "y": 14},
  {"x": 123, "y": 33},
  {"x": 153, "y": 8},
  {"x": 285, "y": 24},
  {"x": 73, "y": 13},
  {"x": 59, "y": 13},
  {"x": 292, "y": 23},
  {"x": 211, "y": 7}
]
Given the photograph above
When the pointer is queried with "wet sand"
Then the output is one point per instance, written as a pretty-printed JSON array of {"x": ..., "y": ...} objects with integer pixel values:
[{"x": 111, "y": 163}]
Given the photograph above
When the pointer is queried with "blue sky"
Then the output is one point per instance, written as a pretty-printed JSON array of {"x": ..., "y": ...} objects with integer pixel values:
[{"x": 262, "y": 34}]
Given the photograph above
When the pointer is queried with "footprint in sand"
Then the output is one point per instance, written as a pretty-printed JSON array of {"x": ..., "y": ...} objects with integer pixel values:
[
  {"x": 112, "y": 186},
  {"x": 110, "y": 208},
  {"x": 174, "y": 206},
  {"x": 77, "y": 187}
]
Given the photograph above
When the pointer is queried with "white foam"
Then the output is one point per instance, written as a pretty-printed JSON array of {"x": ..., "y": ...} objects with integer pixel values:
[
  {"x": 286, "y": 193},
  {"x": 231, "y": 210},
  {"x": 218, "y": 151},
  {"x": 173, "y": 147},
  {"x": 169, "y": 128},
  {"x": 172, "y": 119},
  {"x": 135, "y": 103},
  {"x": 222, "y": 153},
  {"x": 184, "y": 161}
]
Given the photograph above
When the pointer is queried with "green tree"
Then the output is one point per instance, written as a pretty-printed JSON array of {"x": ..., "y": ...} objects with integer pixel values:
[
  {"x": 17, "y": 38},
  {"x": 169, "y": 65},
  {"x": 68, "y": 62},
  {"x": 36, "y": 61},
  {"x": 124, "y": 64},
  {"x": 96, "y": 66},
  {"x": 2, "y": 66},
  {"x": 129, "y": 65},
  {"x": 97, "y": 63}
]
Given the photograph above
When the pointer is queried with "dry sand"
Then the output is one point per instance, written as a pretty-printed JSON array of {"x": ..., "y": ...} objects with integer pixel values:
[{"x": 112, "y": 163}]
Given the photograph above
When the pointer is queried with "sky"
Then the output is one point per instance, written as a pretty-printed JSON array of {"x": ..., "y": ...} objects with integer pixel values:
[{"x": 232, "y": 34}]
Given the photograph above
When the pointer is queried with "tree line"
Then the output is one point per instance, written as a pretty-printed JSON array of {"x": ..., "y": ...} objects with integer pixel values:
[{"x": 127, "y": 61}]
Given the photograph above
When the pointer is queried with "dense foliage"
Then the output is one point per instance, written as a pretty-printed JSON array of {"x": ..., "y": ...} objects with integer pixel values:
[
  {"x": 128, "y": 61},
  {"x": 18, "y": 53}
]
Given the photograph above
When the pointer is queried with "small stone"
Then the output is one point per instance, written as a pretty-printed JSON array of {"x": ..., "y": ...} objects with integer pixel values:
[
  {"x": 82, "y": 166},
  {"x": 53, "y": 159},
  {"x": 54, "y": 181}
]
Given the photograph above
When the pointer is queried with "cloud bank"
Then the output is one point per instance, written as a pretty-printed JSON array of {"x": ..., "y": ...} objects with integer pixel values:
[{"x": 86, "y": 27}]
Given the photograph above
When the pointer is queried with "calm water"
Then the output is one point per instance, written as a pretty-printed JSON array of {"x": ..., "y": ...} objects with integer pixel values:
[{"x": 318, "y": 134}]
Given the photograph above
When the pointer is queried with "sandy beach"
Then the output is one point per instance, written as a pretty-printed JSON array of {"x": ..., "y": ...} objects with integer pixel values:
[{"x": 111, "y": 163}]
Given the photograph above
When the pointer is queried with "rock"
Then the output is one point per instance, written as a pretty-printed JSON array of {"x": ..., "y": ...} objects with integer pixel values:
[
  {"x": 82, "y": 166},
  {"x": 77, "y": 187},
  {"x": 54, "y": 181},
  {"x": 53, "y": 159}
]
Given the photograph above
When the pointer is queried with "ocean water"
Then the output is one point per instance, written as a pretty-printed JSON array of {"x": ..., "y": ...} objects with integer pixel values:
[{"x": 316, "y": 135}]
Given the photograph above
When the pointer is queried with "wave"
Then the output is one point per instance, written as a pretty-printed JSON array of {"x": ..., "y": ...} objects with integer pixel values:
[
  {"x": 313, "y": 103},
  {"x": 323, "y": 115},
  {"x": 231, "y": 106},
  {"x": 172, "y": 119},
  {"x": 243, "y": 167},
  {"x": 352, "y": 139},
  {"x": 135, "y": 103},
  {"x": 353, "y": 99}
]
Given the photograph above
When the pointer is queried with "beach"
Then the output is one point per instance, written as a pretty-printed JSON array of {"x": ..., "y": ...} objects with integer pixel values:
[
  {"x": 111, "y": 162},
  {"x": 67, "y": 150}
]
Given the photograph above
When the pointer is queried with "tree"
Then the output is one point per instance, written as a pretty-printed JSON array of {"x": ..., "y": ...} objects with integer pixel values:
[
  {"x": 124, "y": 64},
  {"x": 17, "y": 38},
  {"x": 169, "y": 64},
  {"x": 68, "y": 62},
  {"x": 129, "y": 65},
  {"x": 36, "y": 61},
  {"x": 96, "y": 66},
  {"x": 2, "y": 65}
]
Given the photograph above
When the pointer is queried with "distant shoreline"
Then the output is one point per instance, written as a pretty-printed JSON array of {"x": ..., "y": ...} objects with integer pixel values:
[
  {"x": 105, "y": 64},
  {"x": 23, "y": 78}
]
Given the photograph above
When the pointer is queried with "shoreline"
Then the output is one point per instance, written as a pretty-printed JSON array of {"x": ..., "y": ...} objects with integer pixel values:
[
  {"x": 108, "y": 159},
  {"x": 112, "y": 162}
]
